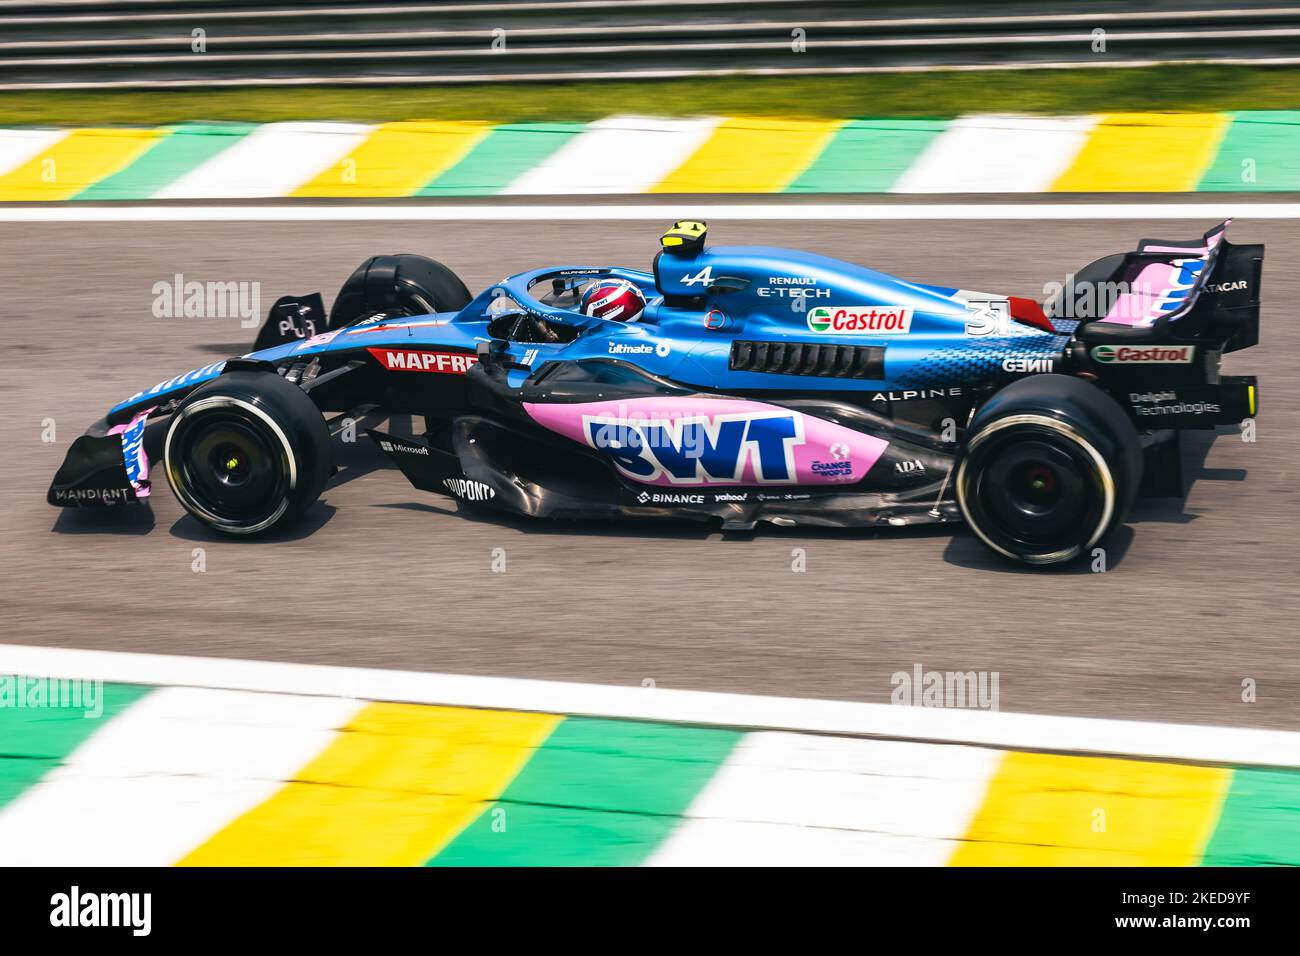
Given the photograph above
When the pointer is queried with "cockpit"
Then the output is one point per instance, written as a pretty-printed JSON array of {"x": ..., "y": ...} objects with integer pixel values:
[{"x": 550, "y": 309}]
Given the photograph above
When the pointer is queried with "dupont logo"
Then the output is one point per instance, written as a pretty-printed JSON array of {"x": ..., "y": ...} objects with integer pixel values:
[
  {"x": 408, "y": 360},
  {"x": 469, "y": 490},
  {"x": 867, "y": 319},
  {"x": 1150, "y": 355}
]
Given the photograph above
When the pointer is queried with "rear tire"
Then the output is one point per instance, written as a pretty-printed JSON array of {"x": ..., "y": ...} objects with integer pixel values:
[
  {"x": 398, "y": 285},
  {"x": 1050, "y": 467},
  {"x": 247, "y": 453}
]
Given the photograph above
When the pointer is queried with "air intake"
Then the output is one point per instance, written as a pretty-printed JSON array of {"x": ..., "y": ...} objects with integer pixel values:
[{"x": 809, "y": 358}]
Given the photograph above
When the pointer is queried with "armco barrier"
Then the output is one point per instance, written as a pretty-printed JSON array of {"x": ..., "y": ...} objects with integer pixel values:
[{"x": 112, "y": 44}]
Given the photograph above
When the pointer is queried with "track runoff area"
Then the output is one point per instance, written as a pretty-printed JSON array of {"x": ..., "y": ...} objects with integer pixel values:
[
  {"x": 221, "y": 762},
  {"x": 203, "y": 762},
  {"x": 659, "y": 212}
]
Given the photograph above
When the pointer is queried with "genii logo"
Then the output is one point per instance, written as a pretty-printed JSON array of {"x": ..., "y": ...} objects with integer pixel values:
[
  {"x": 1028, "y": 364},
  {"x": 701, "y": 449},
  {"x": 1148, "y": 355},
  {"x": 861, "y": 320}
]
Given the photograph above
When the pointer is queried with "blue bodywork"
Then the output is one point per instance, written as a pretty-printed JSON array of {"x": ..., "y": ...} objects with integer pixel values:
[
  {"x": 757, "y": 385},
  {"x": 700, "y": 305}
]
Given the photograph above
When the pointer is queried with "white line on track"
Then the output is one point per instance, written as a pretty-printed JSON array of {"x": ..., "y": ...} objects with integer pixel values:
[
  {"x": 1226, "y": 745},
  {"x": 806, "y": 212}
]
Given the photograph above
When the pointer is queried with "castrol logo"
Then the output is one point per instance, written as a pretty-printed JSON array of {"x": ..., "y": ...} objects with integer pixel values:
[
  {"x": 861, "y": 320},
  {"x": 1145, "y": 355}
]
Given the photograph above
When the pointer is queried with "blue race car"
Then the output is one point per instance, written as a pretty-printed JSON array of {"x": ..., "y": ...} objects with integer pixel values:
[{"x": 728, "y": 384}]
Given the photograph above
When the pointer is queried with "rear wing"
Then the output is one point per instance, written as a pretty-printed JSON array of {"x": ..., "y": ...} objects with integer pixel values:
[{"x": 1209, "y": 287}]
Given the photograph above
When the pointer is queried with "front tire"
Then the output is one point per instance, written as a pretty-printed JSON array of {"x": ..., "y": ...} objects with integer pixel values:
[
  {"x": 398, "y": 285},
  {"x": 247, "y": 453},
  {"x": 1050, "y": 467}
]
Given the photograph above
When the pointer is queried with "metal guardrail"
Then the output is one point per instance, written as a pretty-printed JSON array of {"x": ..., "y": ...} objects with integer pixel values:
[{"x": 87, "y": 44}]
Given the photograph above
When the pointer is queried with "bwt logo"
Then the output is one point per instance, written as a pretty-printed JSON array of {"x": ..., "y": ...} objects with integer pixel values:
[
  {"x": 1174, "y": 297},
  {"x": 700, "y": 449},
  {"x": 132, "y": 451}
]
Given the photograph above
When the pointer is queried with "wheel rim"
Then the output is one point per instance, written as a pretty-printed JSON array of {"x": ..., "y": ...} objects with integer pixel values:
[
  {"x": 230, "y": 464},
  {"x": 1037, "y": 492}
]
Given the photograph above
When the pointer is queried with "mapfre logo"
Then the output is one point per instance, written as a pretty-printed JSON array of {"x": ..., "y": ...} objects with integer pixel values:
[
  {"x": 409, "y": 360},
  {"x": 1150, "y": 355},
  {"x": 861, "y": 320}
]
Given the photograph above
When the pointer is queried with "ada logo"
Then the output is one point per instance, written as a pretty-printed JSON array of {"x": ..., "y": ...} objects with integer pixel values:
[
  {"x": 866, "y": 319},
  {"x": 410, "y": 360},
  {"x": 1150, "y": 355}
]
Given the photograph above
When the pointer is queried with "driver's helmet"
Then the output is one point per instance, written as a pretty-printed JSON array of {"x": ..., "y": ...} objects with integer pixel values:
[{"x": 612, "y": 299}]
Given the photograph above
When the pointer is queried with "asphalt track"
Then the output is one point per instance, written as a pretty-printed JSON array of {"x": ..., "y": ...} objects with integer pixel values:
[{"x": 1200, "y": 594}]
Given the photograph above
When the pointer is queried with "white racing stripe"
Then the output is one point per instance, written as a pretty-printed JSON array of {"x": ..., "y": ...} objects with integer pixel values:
[
  {"x": 17, "y": 146},
  {"x": 1229, "y": 745},
  {"x": 997, "y": 154},
  {"x": 164, "y": 775},
  {"x": 271, "y": 161},
  {"x": 785, "y": 799},
  {"x": 622, "y": 154},
  {"x": 592, "y": 212}
]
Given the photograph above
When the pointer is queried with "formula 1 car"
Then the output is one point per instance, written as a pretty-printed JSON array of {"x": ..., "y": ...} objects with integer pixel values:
[{"x": 757, "y": 384}]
